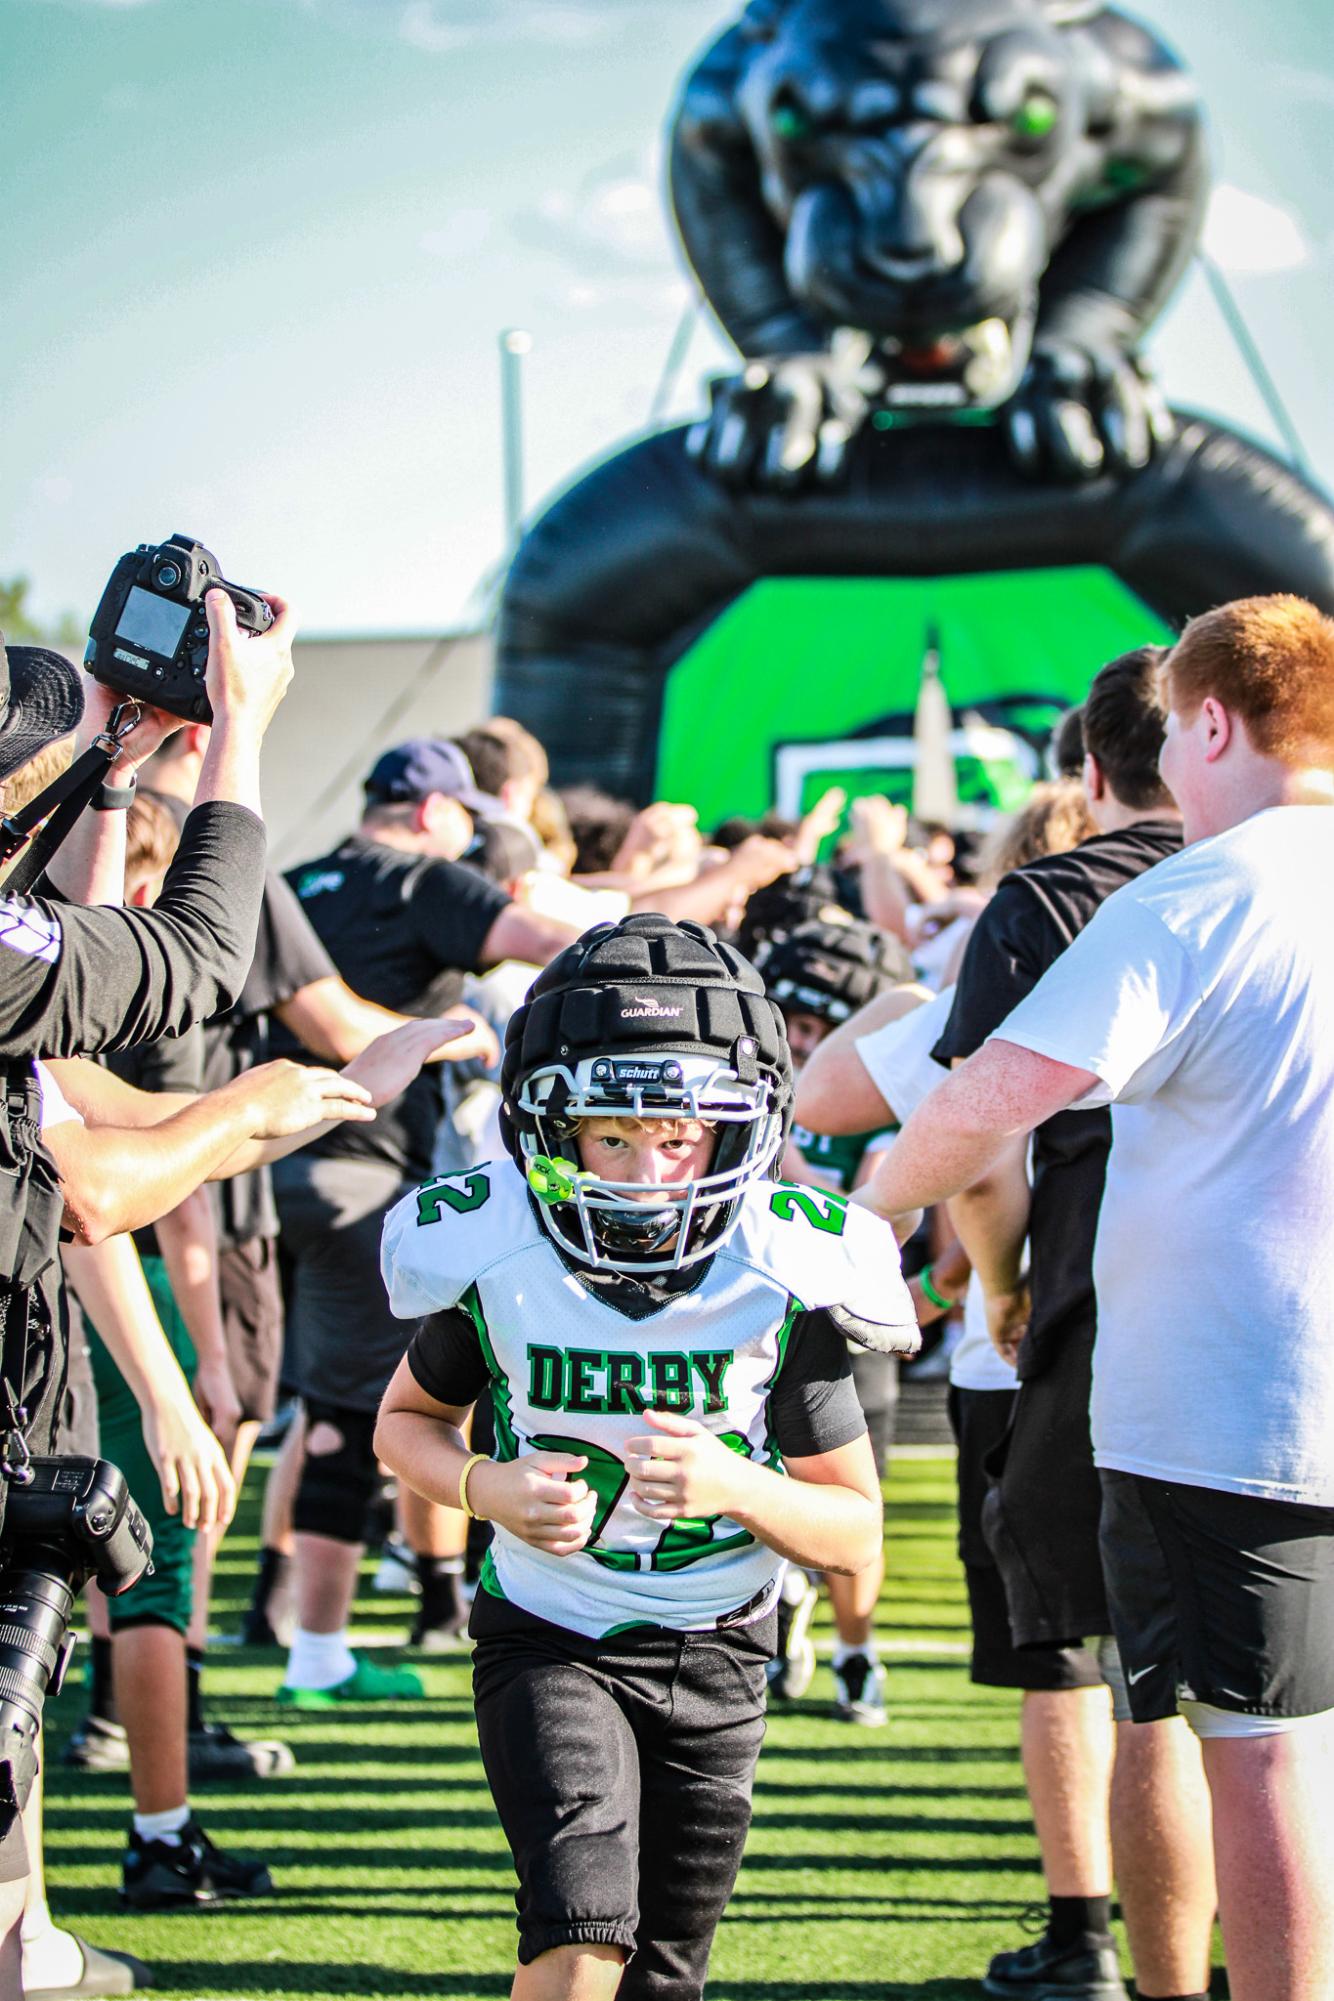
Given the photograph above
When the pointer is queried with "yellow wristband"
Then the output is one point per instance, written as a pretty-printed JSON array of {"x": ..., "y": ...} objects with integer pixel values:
[{"x": 473, "y": 1459}]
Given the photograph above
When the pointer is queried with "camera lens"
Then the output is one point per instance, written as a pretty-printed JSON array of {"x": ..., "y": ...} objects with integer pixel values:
[{"x": 168, "y": 576}]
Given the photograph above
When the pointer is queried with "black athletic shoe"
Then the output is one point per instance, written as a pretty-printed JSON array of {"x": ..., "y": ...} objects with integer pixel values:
[
  {"x": 450, "y": 1636},
  {"x": 257, "y": 1632},
  {"x": 98, "y": 1746},
  {"x": 1088, "y": 1970},
  {"x": 164, "y": 1876},
  {"x": 215, "y": 1753}
]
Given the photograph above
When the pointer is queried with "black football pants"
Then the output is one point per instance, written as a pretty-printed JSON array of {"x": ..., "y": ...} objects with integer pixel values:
[{"x": 621, "y": 1770}]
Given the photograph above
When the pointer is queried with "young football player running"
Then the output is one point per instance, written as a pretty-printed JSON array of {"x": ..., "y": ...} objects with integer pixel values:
[
  {"x": 819, "y": 975},
  {"x": 663, "y": 1332}
]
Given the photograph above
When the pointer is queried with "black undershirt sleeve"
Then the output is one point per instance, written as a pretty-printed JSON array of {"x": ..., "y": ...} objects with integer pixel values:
[
  {"x": 813, "y": 1404},
  {"x": 446, "y": 1359},
  {"x": 1010, "y": 947}
]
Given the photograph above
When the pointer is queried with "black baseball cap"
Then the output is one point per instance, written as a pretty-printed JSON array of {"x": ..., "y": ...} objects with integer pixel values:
[
  {"x": 427, "y": 764},
  {"x": 41, "y": 699}
]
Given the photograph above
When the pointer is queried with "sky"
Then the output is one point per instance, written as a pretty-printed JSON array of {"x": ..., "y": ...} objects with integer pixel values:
[{"x": 256, "y": 254}]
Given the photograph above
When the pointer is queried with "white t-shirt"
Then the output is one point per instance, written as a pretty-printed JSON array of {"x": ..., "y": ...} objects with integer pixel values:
[
  {"x": 56, "y": 1107},
  {"x": 1202, "y": 996},
  {"x": 899, "y": 1063}
]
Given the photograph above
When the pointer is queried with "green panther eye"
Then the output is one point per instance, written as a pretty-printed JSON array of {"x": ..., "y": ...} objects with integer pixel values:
[
  {"x": 789, "y": 122},
  {"x": 1036, "y": 116}
]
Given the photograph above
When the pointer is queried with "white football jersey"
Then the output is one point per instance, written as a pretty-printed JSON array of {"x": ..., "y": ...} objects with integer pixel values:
[{"x": 571, "y": 1373}]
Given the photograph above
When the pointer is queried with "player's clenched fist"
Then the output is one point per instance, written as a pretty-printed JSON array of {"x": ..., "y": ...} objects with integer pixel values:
[
  {"x": 538, "y": 1499},
  {"x": 682, "y": 1473}
]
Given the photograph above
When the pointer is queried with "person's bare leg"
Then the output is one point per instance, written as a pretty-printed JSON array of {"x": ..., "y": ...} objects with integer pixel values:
[
  {"x": 205, "y": 1550},
  {"x": 570, "y": 1973},
  {"x": 34, "y": 1896},
  {"x": 326, "y": 1582},
  {"x": 853, "y": 1602},
  {"x": 11, "y": 1947},
  {"x": 1273, "y": 1801},
  {"x": 150, "y": 1698},
  {"x": 1163, "y": 1855},
  {"x": 429, "y": 1529},
  {"x": 207, "y": 1546},
  {"x": 280, "y": 1488},
  {"x": 1067, "y": 1745},
  {"x": 243, "y": 1446}
]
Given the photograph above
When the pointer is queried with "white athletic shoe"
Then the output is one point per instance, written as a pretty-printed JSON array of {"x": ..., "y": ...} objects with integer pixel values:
[
  {"x": 792, "y": 1670},
  {"x": 860, "y": 1681}
]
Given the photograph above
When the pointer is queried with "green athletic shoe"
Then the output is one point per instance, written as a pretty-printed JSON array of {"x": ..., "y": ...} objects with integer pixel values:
[{"x": 367, "y": 1683}]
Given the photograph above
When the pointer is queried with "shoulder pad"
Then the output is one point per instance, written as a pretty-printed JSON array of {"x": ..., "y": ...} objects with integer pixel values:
[
  {"x": 443, "y": 1235},
  {"x": 826, "y": 1252}
]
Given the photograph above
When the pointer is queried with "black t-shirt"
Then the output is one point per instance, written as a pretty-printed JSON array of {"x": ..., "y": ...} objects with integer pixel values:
[
  {"x": 403, "y": 930},
  {"x": 79, "y": 981},
  {"x": 288, "y": 956},
  {"x": 813, "y": 1405},
  {"x": 176, "y": 1063},
  {"x": 1036, "y": 912}
]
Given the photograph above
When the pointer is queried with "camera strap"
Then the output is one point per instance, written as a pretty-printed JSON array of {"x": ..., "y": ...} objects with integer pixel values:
[
  {"x": 60, "y": 805},
  {"x": 15, "y": 1458}
]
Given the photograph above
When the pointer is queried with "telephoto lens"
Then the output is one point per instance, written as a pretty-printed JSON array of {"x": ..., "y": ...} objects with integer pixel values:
[
  {"x": 71, "y": 1519},
  {"x": 35, "y": 1645}
]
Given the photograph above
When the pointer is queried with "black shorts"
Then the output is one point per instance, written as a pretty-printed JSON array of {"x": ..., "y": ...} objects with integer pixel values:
[
  {"x": 1041, "y": 1514},
  {"x": 621, "y": 1771},
  {"x": 876, "y": 1378},
  {"x": 980, "y": 1419},
  {"x": 77, "y": 1430},
  {"x": 252, "y": 1324},
  {"x": 1219, "y": 1598},
  {"x": 345, "y": 1342}
]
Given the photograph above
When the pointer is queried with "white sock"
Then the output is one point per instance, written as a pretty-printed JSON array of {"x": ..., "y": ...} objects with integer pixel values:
[
  {"x": 51, "y": 1958},
  {"x": 843, "y": 1652},
  {"x": 319, "y": 1660},
  {"x": 164, "y": 1826}
]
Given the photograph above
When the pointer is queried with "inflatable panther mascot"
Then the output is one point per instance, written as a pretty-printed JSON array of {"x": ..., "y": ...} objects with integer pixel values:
[{"x": 937, "y": 231}]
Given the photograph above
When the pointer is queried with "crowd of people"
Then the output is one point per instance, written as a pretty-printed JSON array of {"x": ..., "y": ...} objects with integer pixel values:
[{"x": 413, "y": 1154}]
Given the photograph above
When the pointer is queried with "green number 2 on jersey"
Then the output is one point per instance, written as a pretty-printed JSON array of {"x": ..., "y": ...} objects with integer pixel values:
[
  {"x": 822, "y": 1209},
  {"x": 460, "y": 1192},
  {"x": 681, "y": 1542}
]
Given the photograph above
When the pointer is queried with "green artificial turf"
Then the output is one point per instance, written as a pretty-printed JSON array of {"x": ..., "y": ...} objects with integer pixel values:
[{"x": 882, "y": 1863}]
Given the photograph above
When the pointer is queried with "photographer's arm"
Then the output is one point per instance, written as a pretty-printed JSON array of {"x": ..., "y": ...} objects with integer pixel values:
[
  {"x": 108, "y": 1281},
  {"x": 89, "y": 865},
  {"x": 79, "y": 981}
]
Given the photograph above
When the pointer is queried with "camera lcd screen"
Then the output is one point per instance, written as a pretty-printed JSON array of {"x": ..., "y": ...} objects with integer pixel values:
[{"x": 152, "y": 622}]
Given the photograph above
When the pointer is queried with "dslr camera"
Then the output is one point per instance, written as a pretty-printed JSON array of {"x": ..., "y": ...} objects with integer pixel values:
[
  {"x": 149, "y": 637},
  {"x": 68, "y": 1520}
]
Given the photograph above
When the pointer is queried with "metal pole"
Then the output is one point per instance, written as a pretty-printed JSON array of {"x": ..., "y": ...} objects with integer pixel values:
[{"x": 514, "y": 344}]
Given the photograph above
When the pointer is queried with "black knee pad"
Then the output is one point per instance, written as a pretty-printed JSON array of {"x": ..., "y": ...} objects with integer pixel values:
[{"x": 336, "y": 1486}]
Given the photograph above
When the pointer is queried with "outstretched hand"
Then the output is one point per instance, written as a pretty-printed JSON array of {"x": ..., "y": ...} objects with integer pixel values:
[
  {"x": 284, "y": 1098},
  {"x": 388, "y": 1065}
]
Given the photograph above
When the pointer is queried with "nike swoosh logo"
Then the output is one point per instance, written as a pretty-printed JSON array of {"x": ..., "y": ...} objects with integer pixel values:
[{"x": 1140, "y": 1673}]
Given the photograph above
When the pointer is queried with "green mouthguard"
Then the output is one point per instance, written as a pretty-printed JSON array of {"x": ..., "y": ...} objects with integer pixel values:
[{"x": 553, "y": 1180}]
